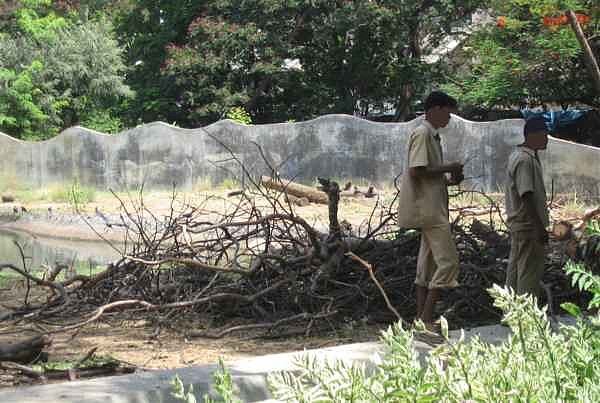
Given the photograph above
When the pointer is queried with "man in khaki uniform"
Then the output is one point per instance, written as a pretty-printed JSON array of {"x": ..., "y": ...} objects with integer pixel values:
[
  {"x": 423, "y": 204},
  {"x": 526, "y": 211}
]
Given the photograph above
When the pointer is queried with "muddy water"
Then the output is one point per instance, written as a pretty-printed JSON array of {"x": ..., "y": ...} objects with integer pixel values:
[{"x": 51, "y": 251}]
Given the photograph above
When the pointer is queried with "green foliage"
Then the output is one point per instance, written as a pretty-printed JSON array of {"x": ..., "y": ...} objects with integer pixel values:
[
  {"x": 94, "y": 361},
  {"x": 179, "y": 391},
  {"x": 20, "y": 96},
  {"x": 76, "y": 195},
  {"x": 281, "y": 60},
  {"x": 103, "y": 121},
  {"x": 533, "y": 364},
  {"x": 57, "y": 71},
  {"x": 223, "y": 384},
  {"x": 523, "y": 62},
  {"x": 582, "y": 278},
  {"x": 239, "y": 114}
]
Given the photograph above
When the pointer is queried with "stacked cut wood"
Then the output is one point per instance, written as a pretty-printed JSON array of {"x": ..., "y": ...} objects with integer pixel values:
[{"x": 573, "y": 235}]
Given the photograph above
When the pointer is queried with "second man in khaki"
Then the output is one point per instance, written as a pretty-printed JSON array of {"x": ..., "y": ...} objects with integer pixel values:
[{"x": 526, "y": 211}]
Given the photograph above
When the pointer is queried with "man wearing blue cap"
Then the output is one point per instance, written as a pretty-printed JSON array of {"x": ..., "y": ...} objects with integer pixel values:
[{"x": 526, "y": 211}]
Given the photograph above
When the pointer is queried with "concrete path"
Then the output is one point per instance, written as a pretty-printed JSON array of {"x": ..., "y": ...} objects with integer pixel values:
[{"x": 249, "y": 376}]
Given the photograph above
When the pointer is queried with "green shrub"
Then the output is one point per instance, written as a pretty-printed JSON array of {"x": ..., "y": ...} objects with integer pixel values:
[
  {"x": 584, "y": 279},
  {"x": 240, "y": 115},
  {"x": 223, "y": 385},
  {"x": 533, "y": 364}
]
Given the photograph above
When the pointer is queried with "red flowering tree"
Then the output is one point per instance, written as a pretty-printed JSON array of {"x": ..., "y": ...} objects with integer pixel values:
[{"x": 530, "y": 55}]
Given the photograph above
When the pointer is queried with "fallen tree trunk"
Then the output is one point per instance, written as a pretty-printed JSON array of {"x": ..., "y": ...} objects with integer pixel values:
[
  {"x": 25, "y": 351},
  {"x": 295, "y": 189}
]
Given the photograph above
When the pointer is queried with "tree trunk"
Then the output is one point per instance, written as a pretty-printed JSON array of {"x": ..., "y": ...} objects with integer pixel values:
[
  {"x": 295, "y": 189},
  {"x": 588, "y": 55}
]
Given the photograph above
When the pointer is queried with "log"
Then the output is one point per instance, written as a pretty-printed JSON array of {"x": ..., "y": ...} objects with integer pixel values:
[
  {"x": 25, "y": 351},
  {"x": 30, "y": 372},
  {"x": 295, "y": 189}
]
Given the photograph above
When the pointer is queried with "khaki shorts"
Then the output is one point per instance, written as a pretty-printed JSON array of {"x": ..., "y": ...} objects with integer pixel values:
[
  {"x": 525, "y": 263},
  {"x": 437, "y": 264}
]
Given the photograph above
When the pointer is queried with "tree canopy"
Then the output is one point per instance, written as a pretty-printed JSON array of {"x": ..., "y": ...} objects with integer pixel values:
[
  {"x": 530, "y": 56},
  {"x": 111, "y": 64},
  {"x": 58, "y": 69}
]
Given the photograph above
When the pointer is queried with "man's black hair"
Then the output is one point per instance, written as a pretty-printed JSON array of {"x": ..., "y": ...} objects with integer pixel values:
[
  {"x": 534, "y": 125},
  {"x": 441, "y": 99}
]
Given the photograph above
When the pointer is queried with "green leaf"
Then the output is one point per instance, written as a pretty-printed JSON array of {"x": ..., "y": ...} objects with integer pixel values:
[{"x": 571, "y": 308}]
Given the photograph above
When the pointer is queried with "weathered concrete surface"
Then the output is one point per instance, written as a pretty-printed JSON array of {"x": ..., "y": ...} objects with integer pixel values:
[
  {"x": 248, "y": 375},
  {"x": 154, "y": 387},
  {"x": 337, "y": 146}
]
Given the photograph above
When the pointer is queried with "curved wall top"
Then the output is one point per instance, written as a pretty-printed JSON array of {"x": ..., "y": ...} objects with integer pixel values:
[{"x": 336, "y": 146}]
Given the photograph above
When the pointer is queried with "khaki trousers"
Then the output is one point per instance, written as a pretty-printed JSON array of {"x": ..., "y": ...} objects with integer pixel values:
[
  {"x": 437, "y": 264},
  {"x": 525, "y": 263}
]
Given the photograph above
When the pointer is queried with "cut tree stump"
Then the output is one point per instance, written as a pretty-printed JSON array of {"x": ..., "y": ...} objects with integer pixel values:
[{"x": 26, "y": 351}]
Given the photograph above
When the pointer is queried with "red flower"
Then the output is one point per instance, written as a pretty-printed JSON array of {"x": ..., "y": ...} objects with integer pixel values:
[
  {"x": 564, "y": 20},
  {"x": 501, "y": 23},
  {"x": 582, "y": 18}
]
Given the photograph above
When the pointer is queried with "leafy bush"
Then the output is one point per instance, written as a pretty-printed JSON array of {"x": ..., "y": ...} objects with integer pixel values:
[
  {"x": 223, "y": 385},
  {"x": 582, "y": 278},
  {"x": 533, "y": 364},
  {"x": 240, "y": 115}
]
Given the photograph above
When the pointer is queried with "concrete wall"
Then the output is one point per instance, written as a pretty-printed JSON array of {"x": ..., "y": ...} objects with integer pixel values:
[{"x": 336, "y": 146}]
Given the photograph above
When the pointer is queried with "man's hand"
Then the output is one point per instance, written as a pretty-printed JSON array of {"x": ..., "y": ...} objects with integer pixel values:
[
  {"x": 456, "y": 179},
  {"x": 455, "y": 169},
  {"x": 456, "y": 173}
]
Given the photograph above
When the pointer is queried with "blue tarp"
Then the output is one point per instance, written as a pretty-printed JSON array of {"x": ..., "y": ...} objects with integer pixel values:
[{"x": 556, "y": 119}]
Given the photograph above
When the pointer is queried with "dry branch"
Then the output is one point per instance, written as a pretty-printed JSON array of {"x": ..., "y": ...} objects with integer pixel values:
[{"x": 383, "y": 293}]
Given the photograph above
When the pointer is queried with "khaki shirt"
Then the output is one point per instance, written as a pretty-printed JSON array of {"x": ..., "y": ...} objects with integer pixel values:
[
  {"x": 423, "y": 202},
  {"x": 524, "y": 175}
]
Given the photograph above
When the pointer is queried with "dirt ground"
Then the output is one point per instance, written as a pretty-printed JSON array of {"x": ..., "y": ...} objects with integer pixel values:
[{"x": 141, "y": 344}]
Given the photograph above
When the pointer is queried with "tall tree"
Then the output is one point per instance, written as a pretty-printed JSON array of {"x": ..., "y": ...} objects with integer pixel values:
[
  {"x": 528, "y": 55},
  {"x": 146, "y": 28},
  {"x": 57, "y": 70},
  {"x": 284, "y": 60}
]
